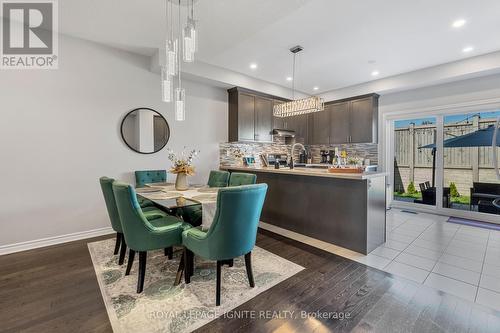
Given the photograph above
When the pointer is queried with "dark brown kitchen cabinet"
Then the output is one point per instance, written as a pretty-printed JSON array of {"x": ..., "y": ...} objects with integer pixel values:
[
  {"x": 363, "y": 119},
  {"x": 353, "y": 120},
  {"x": 299, "y": 124},
  {"x": 339, "y": 122},
  {"x": 246, "y": 117},
  {"x": 319, "y": 127},
  {"x": 250, "y": 115},
  {"x": 263, "y": 119}
]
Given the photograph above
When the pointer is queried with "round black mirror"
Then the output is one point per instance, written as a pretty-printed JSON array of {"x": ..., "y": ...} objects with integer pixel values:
[{"x": 145, "y": 130}]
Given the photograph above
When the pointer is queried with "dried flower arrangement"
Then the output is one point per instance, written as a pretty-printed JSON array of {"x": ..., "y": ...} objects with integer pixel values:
[{"x": 182, "y": 163}]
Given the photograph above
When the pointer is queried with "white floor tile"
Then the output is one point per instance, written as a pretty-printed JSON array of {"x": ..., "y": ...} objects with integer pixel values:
[
  {"x": 374, "y": 261},
  {"x": 423, "y": 252},
  {"x": 400, "y": 238},
  {"x": 457, "y": 273},
  {"x": 472, "y": 239},
  {"x": 454, "y": 287},
  {"x": 492, "y": 257},
  {"x": 488, "y": 298},
  {"x": 407, "y": 232},
  {"x": 406, "y": 271},
  {"x": 490, "y": 282},
  {"x": 464, "y": 252},
  {"x": 436, "y": 245},
  {"x": 385, "y": 252},
  {"x": 416, "y": 261},
  {"x": 493, "y": 243},
  {"x": 465, "y": 263},
  {"x": 396, "y": 245},
  {"x": 491, "y": 269}
]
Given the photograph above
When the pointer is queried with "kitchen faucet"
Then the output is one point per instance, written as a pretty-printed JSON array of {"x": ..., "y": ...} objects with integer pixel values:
[{"x": 291, "y": 153}]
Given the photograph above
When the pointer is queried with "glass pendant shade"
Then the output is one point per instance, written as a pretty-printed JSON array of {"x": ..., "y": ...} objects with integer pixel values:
[
  {"x": 171, "y": 57},
  {"x": 189, "y": 41},
  {"x": 180, "y": 104},
  {"x": 166, "y": 85}
]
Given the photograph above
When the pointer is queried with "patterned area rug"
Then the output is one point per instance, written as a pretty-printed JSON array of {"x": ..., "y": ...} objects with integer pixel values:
[{"x": 161, "y": 307}]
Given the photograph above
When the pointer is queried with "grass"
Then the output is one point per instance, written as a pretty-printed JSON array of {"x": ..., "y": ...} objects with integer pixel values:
[
  {"x": 417, "y": 195},
  {"x": 463, "y": 199}
]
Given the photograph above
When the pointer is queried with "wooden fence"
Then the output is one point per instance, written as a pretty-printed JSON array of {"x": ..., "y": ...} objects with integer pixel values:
[{"x": 462, "y": 165}]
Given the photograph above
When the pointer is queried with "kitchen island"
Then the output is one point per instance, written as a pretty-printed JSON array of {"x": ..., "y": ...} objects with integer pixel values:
[{"x": 347, "y": 210}]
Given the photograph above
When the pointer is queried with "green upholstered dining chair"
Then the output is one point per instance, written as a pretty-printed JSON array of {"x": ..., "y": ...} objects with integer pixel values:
[
  {"x": 150, "y": 213},
  {"x": 192, "y": 215},
  {"x": 242, "y": 178},
  {"x": 140, "y": 234},
  {"x": 218, "y": 178},
  {"x": 232, "y": 233},
  {"x": 143, "y": 177}
]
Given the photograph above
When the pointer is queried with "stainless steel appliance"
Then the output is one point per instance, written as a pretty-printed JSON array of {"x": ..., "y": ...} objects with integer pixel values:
[{"x": 281, "y": 158}]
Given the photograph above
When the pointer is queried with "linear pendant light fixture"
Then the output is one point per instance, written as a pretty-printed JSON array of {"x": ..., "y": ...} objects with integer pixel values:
[
  {"x": 172, "y": 66},
  {"x": 298, "y": 106}
]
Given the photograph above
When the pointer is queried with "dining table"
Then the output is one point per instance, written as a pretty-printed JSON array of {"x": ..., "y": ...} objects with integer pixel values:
[{"x": 167, "y": 198}]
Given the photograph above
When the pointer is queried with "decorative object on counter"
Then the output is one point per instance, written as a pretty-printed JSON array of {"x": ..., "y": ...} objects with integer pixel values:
[
  {"x": 182, "y": 166},
  {"x": 300, "y": 106},
  {"x": 346, "y": 169},
  {"x": 145, "y": 130},
  {"x": 249, "y": 161}
]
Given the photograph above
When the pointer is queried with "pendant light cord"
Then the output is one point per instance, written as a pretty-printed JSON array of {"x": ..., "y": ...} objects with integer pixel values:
[
  {"x": 293, "y": 77},
  {"x": 179, "y": 60}
]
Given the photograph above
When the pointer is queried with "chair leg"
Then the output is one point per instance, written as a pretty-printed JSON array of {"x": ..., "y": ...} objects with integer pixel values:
[
  {"x": 169, "y": 252},
  {"x": 187, "y": 268},
  {"x": 230, "y": 262},
  {"x": 248, "y": 264},
  {"x": 142, "y": 271},
  {"x": 123, "y": 250},
  {"x": 131, "y": 255},
  {"x": 191, "y": 263},
  {"x": 180, "y": 269},
  {"x": 217, "y": 289},
  {"x": 118, "y": 242}
]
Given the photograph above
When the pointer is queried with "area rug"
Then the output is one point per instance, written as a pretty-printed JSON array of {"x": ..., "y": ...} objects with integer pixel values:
[{"x": 161, "y": 307}]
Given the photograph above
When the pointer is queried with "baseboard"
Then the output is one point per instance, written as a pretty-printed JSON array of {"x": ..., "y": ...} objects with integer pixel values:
[{"x": 37, "y": 243}]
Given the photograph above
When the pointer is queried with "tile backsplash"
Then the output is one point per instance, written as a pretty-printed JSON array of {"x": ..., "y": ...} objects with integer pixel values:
[{"x": 227, "y": 151}]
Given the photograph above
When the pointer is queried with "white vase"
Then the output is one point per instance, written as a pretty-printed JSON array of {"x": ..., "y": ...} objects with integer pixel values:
[{"x": 181, "y": 182}]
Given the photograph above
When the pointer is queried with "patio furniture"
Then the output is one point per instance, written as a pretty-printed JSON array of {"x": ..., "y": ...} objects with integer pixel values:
[
  {"x": 483, "y": 192},
  {"x": 487, "y": 206},
  {"x": 429, "y": 197}
]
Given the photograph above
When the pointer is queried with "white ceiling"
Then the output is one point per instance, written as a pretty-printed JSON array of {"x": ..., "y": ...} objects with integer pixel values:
[{"x": 343, "y": 40}]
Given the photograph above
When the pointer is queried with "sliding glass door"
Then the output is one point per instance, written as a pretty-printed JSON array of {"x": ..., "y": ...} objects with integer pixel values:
[
  {"x": 446, "y": 163},
  {"x": 415, "y": 161},
  {"x": 470, "y": 181}
]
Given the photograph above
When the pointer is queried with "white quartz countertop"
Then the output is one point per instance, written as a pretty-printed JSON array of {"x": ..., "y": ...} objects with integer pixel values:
[{"x": 300, "y": 171}]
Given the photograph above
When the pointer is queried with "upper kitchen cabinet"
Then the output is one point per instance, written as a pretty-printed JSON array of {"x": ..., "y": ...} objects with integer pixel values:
[
  {"x": 319, "y": 127},
  {"x": 363, "y": 119},
  {"x": 299, "y": 124},
  {"x": 339, "y": 122},
  {"x": 250, "y": 115},
  {"x": 353, "y": 120}
]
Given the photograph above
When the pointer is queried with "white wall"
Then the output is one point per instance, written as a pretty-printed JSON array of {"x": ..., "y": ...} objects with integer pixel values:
[{"x": 59, "y": 132}]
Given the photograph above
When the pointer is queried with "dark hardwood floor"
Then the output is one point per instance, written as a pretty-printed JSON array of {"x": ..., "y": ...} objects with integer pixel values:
[{"x": 54, "y": 289}]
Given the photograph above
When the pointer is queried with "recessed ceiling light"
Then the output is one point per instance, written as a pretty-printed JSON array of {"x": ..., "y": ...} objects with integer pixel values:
[
  {"x": 289, "y": 78},
  {"x": 458, "y": 23},
  {"x": 468, "y": 49},
  {"x": 253, "y": 65},
  {"x": 375, "y": 73},
  {"x": 315, "y": 88}
]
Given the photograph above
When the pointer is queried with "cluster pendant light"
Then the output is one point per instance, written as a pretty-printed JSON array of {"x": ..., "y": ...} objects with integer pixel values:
[
  {"x": 300, "y": 106},
  {"x": 172, "y": 66}
]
